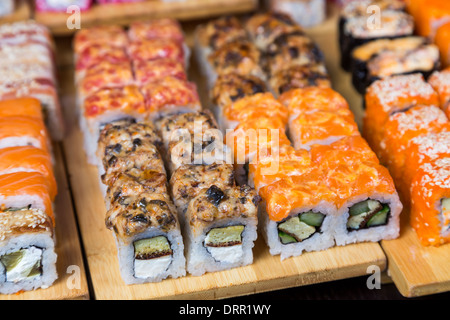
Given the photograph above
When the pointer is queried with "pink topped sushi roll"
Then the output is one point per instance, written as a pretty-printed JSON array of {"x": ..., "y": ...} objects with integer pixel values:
[{"x": 61, "y": 5}]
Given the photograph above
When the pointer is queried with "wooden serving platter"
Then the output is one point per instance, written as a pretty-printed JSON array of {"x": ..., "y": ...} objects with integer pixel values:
[
  {"x": 416, "y": 270},
  {"x": 72, "y": 281},
  {"x": 124, "y": 14}
]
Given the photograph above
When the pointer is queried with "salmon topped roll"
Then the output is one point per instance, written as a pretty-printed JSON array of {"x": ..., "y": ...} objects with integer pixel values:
[
  {"x": 156, "y": 29},
  {"x": 30, "y": 107},
  {"x": 150, "y": 70},
  {"x": 23, "y": 131},
  {"x": 440, "y": 81},
  {"x": 430, "y": 197},
  {"x": 112, "y": 35},
  {"x": 151, "y": 49},
  {"x": 27, "y": 250}
]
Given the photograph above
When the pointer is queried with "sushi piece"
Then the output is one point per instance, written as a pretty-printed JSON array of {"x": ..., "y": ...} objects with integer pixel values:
[
  {"x": 430, "y": 214},
  {"x": 28, "y": 159},
  {"x": 220, "y": 229},
  {"x": 357, "y": 31},
  {"x": 150, "y": 245},
  {"x": 47, "y": 94},
  {"x": 440, "y": 81},
  {"x": 151, "y": 49},
  {"x": 394, "y": 94},
  {"x": 30, "y": 107},
  {"x": 152, "y": 70},
  {"x": 170, "y": 95},
  {"x": 264, "y": 28},
  {"x": 23, "y": 131},
  {"x": 292, "y": 49},
  {"x": 210, "y": 36},
  {"x": 305, "y": 13},
  {"x": 382, "y": 58},
  {"x": 156, "y": 29},
  {"x": 105, "y": 106},
  {"x": 239, "y": 56},
  {"x": 112, "y": 35},
  {"x": 27, "y": 247},
  {"x": 297, "y": 215},
  {"x": 430, "y": 16},
  {"x": 442, "y": 41},
  {"x": 300, "y": 76},
  {"x": 104, "y": 75},
  {"x": 367, "y": 201}
]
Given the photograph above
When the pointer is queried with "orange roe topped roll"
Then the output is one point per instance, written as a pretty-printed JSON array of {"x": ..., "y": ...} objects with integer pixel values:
[{"x": 26, "y": 106}]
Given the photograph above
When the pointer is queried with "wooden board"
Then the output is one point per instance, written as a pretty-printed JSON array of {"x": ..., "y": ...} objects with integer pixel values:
[
  {"x": 124, "y": 14},
  {"x": 415, "y": 269},
  {"x": 72, "y": 280},
  {"x": 265, "y": 274},
  {"x": 22, "y": 12}
]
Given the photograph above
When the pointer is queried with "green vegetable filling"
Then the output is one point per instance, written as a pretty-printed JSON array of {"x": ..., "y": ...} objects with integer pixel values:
[
  {"x": 300, "y": 228},
  {"x": 366, "y": 214}
]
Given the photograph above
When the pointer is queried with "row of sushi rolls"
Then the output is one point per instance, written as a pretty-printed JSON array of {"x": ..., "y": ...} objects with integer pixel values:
[{"x": 275, "y": 152}]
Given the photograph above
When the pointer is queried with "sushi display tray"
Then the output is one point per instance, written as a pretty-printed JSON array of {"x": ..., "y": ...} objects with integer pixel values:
[
  {"x": 124, "y": 14},
  {"x": 72, "y": 280}
]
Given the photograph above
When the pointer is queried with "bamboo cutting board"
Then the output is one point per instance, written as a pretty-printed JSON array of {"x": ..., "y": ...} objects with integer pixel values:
[
  {"x": 71, "y": 282},
  {"x": 416, "y": 270}
]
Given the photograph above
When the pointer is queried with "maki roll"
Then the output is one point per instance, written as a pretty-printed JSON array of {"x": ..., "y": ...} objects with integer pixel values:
[
  {"x": 112, "y": 35},
  {"x": 156, "y": 29},
  {"x": 442, "y": 41},
  {"x": 27, "y": 245},
  {"x": 357, "y": 31},
  {"x": 440, "y": 81},
  {"x": 306, "y": 13},
  {"x": 150, "y": 70},
  {"x": 220, "y": 229},
  {"x": 386, "y": 57}
]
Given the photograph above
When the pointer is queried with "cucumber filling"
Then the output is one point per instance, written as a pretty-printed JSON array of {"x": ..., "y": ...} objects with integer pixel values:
[
  {"x": 152, "y": 256},
  {"x": 445, "y": 215},
  {"x": 300, "y": 228},
  {"x": 366, "y": 214},
  {"x": 225, "y": 243},
  {"x": 23, "y": 264}
]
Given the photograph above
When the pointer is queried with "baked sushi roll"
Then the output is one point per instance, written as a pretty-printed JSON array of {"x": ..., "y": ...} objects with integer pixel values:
[
  {"x": 27, "y": 246},
  {"x": 156, "y": 29},
  {"x": 430, "y": 215},
  {"x": 105, "y": 106},
  {"x": 149, "y": 242},
  {"x": 210, "y": 36},
  {"x": 151, "y": 70},
  {"x": 240, "y": 56},
  {"x": 231, "y": 87},
  {"x": 299, "y": 76},
  {"x": 220, "y": 229},
  {"x": 151, "y": 49},
  {"x": 170, "y": 95},
  {"x": 356, "y": 31},
  {"x": 112, "y": 35},
  {"x": 397, "y": 56},
  {"x": 292, "y": 49},
  {"x": 264, "y": 28},
  {"x": 305, "y": 13},
  {"x": 297, "y": 215}
]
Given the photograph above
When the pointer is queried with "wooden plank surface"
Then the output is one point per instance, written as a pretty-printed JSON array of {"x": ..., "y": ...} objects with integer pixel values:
[
  {"x": 124, "y": 14},
  {"x": 72, "y": 280},
  {"x": 265, "y": 274},
  {"x": 416, "y": 270}
]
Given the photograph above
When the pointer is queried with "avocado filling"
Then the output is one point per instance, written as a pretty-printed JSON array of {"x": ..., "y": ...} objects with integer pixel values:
[
  {"x": 445, "y": 215},
  {"x": 366, "y": 214},
  {"x": 152, "y": 256},
  {"x": 23, "y": 264},
  {"x": 225, "y": 243},
  {"x": 301, "y": 227}
]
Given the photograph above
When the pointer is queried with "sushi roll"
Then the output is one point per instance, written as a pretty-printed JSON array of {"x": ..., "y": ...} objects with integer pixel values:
[
  {"x": 240, "y": 56},
  {"x": 300, "y": 76},
  {"x": 27, "y": 245},
  {"x": 393, "y": 94},
  {"x": 357, "y": 31},
  {"x": 140, "y": 211},
  {"x": 23, "y": 131},
  {"x": 151, "y": 49},
  {"x": 442, "y": 41},
  {"x": 297, "y": 214},
  {"x": 152, "y": 70},
  {"x": 30, "y": 107},
  {"x": 383, "y": 58},
  {"x": 430, "y": 16},
  {"x": 112, "y": 35},
  {"x": 430, "y": 214},
  {"x": 61, "y": 6},
  {"x": 105, "y": 106},
  {"x": 210, "y": 36},
  {"x": 221, "y": 229},
  {"x": 156, "y": 29},
  {"x": 170, "y": 95}
]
